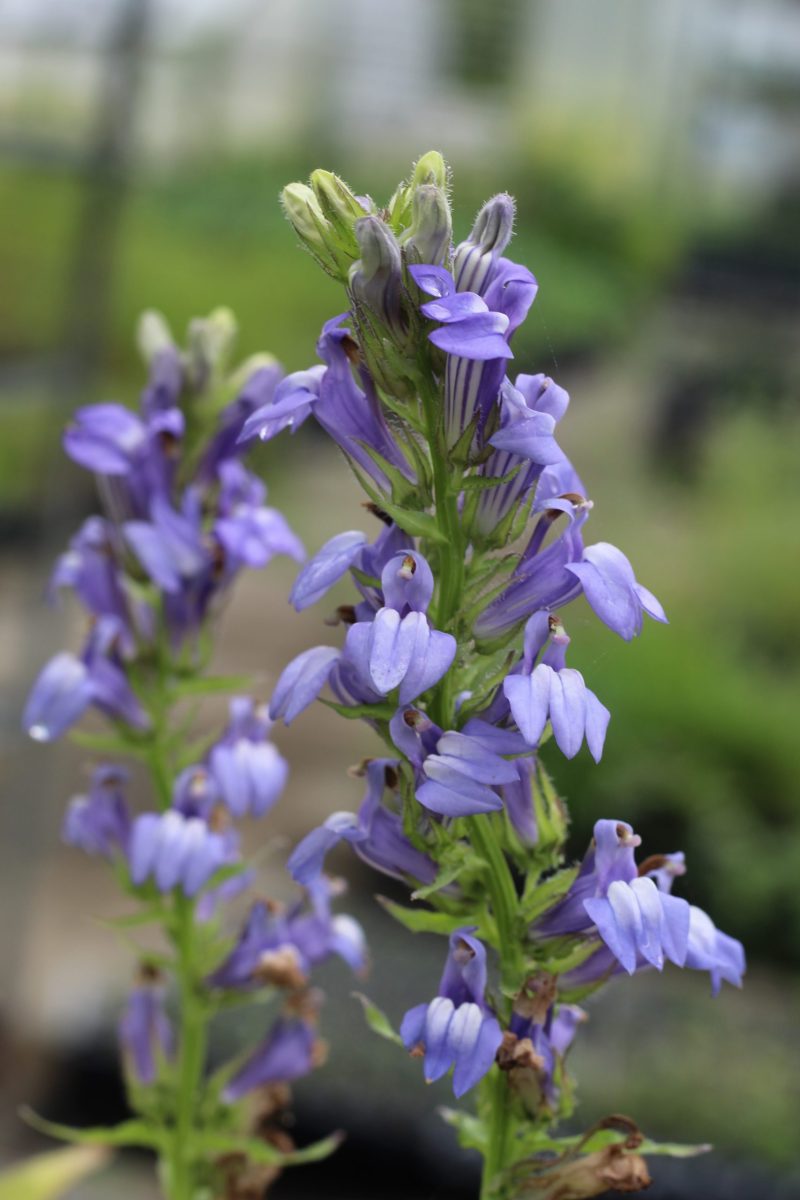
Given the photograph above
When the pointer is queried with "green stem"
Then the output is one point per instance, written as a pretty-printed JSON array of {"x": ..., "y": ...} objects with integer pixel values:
[
  {"x": 498, "y": 1096},
  {"x": 504, "y": 901},
  {"x": 499, "y": 881},
  {"x": 192, "y": 1055}
]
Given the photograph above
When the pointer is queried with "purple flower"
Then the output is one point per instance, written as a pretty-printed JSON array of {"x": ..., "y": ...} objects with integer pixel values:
[
  {"x": 250, "y": 533},
  {"x": 327, "y": 566},
  {"x": 176, "y": 851},
  {"x": 518, "y": 802},
  {"x": 105, "y": 438},
  {"x": 289, "y": 407},
  {"x": 639, "y": 922},
  {"x": 376, "y": 835},
  {"x": 59, "y": 697},
  {"x": 99, "y": 823},
  {"x": 456, "y": 1029},
  {"x": 636, "y": 920},
  {"x": 249, "y": 771},
  {"x": 711, "y": 950},
  {"x": 407, "y": 583},
  {"x": 610, "y": 587},
  {"x": 376, "y": 279},
  {"x": 394, "y": 652},
  {"x": 67, "y": 686},
  {"x": 550, "y": 1040},
  {"x": 170, "y": 546},
  {"x": 563, "y": 697},
  {"x": 90, "y": 567},
  {"x": 301, "y": 682},
  {"x": 468, "y": 329},
  {"x": 541, "y": 579},
  {"x": 281, "y": 946},
  {"x": 145, "y": 1032},
  {"x": 288, "y": 1053},
  {"x": 524, "y": 445}
]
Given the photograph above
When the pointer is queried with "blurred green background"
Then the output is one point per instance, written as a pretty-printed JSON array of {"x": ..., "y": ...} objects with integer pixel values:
[{"x": 653, "y": 151}]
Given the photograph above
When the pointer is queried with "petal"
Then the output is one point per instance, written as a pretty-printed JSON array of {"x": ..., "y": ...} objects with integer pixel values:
[
  {"x": 327, "y": 566},
  {"x": 479, "y": 337},
  {"x": 438, "y": 1055},
  {"x": 61, "y": 693},
  {"x": 427, "y": 668},
  {"x": 412, "y": 1027},
  {"x": 475, "y": 1038},
  {"x": 407, "y": 582},
  {"x": 618, "y": 922},
  {"x": 675, "y": 922},
  {"x": 568, "y": 710},
  {"x": 301, "y": 682},
  {"x": 434, "y": 281},
  {"x": 466, "y": 755},
  {"x": 307, "y": 859},
  {"x": 143, "y": 847},
  {"x": 529, "y": 699},
  {"x": 392, "y": 643},
  {"x": 597, "y": 718},
  {"x": 650, "y": 604},
  {"x": 649, "y": 941},
  {"x": 454, "y": 308},
  {"x": 452, "y": 794}
]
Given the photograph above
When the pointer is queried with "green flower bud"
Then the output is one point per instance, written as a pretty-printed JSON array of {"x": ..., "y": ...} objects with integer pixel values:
[
  {"x": 430, "y": 169},
  {"x": 308, "y": 221},
  {"x": 210, "y": 343},
  {"x": 376, "y": 279},
  {"x": 153, "y": 334},
  {"x": 340, "y": 208},
  {"x": 428, "y": 237}
]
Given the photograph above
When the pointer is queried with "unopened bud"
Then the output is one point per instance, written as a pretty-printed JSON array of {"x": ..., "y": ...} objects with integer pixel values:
[
  {"x": 428, "y": 238},
  {"x": 376, "y": 279},
  {"x": 339, "y": 206},
  {"x": 153, "y": 335},
  {"x": 308, "y": 221},
  {"x": 490, "y": 235},
  {"x": 210, "y": 341},
  {"x": 430, "y": 169}
]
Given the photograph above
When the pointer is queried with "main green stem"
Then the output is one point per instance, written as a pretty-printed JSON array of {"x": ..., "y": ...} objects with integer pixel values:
[
  {"x": 191, "y": 1058},
  {"x": 499, "y": 881}
]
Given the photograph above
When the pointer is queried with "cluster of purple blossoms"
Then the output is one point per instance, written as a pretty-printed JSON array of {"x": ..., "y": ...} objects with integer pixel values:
[
  {"x": 455, "y": 646},
  {"x": 182, "y": 516}
]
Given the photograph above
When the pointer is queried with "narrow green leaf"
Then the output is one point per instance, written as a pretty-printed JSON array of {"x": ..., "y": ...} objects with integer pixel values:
[
  {"x": 674, "y": 1149},
  {"x": 353, "y": 712},
  {"x": 263, "y": 1153},
  {"x": 209, "y": 685},
  {"x": 50, "y": 1175},
  {"x": 484, "y": 483},
  {"x": 129, "y": 1133},
  {"x": 545, "y": 894},
  {"x": 417, "y": 524},
  {"x": 108, "y": 744},
  {"x": 470, "y": 1129},
  {"x": 402, "y": 488},
  {"x": 447, "y": 874},
  {"x": 378, "y": 1021},
  {"x": 421, "y": 920}
]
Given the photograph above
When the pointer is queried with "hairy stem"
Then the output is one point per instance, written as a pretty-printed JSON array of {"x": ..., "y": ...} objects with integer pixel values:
[{"x": 192, "y": 1055}]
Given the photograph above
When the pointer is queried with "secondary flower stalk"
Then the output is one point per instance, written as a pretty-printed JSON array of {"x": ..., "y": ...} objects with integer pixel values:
[{"x": 182, "y": 516}]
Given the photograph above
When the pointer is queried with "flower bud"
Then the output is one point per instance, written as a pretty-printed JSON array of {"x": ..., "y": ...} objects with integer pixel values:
[
  {"x": 431, "y": 169},
  {"x": 427, "y": 239},
  {"x": 152, "y": 335},
  {"x": 376, "y": 279},
  {"x": 308, "y": 221},
  {"x": 340, "y": 208},
  {"x": 490, "y": 235},
  {"x": 210, "y": 343}
]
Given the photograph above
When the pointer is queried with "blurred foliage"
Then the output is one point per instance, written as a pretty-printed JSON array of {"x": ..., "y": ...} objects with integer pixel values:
[{"x": 702, "y": 751}]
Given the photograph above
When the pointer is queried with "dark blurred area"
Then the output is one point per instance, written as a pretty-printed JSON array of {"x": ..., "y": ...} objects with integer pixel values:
[{"x": 653, "y": 151}]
